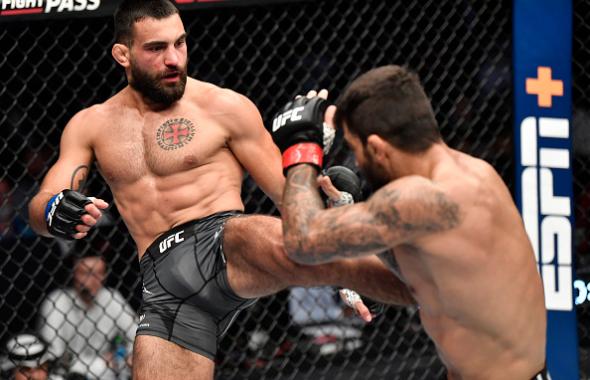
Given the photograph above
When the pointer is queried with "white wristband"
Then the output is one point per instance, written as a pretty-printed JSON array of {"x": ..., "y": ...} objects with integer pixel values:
[
  {"x": 329, "y": 135},
  {"x": 350, "y": 297},
  {"x": 345, "y": 199}
]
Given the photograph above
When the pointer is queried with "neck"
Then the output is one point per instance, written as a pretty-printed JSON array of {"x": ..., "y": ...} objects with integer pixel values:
[
  {"x": 144, "y": 104},
  {"x": 422, "y": 164}
]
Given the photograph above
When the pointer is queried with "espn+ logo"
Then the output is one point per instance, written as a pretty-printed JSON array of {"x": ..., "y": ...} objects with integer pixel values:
[
  {"x": 546, "y": 211},
  {"x": 47, "y": 6},
  {"x": 547, "y": 215}
]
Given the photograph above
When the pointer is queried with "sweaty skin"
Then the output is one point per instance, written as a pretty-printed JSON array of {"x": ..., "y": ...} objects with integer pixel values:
[
  {"x": 167, "y": 165},
  {"x": 459, "y": 244}
]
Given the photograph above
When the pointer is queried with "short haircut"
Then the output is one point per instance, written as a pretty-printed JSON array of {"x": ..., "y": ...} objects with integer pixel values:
[
  {"x": 131, "y": 11},
  {"x": 390, "y": 102}
]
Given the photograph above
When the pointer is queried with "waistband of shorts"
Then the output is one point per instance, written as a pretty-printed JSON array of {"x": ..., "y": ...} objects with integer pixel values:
[{"x": 153, "y": 248}]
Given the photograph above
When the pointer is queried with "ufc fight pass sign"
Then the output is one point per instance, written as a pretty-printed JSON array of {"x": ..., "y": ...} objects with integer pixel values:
[{"x": 13, "y": 10}]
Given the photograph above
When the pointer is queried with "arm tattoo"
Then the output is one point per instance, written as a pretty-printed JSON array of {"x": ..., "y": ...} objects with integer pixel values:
[
  {"x": 300, "y": 202},
  {"x": 79, "y": 178},
  {"x": 430, "y": 211},
  {"x": 448, "y": 211},
  {"x": 392, "y": 216},
  {"x": 386, "y": 212}
]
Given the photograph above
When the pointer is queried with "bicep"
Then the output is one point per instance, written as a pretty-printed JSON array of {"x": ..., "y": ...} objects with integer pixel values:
[
  {"x": 262, "y": 160},
  {"x": 69, "y": 172},
  {"x": 394, "y": 215},
  {"x": 71, "y": 169},
  {"x": 252, "y": 145}
]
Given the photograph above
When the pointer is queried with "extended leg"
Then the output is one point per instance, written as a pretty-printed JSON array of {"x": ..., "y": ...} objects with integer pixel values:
[{"x": 258, "y": 265}]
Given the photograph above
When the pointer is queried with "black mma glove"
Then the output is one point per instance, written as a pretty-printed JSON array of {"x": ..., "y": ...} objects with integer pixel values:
[
  {"x": 63, "y": 213},
  {"x": 298, "y": 131},
  {"x": 347, "y": 182}
]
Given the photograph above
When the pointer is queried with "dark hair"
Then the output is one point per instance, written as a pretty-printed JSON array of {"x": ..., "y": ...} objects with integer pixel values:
[
  {"x": 131, "y": 11},
  {"x": 91, "y": 246},
  {"x": 390, "y": 102}
]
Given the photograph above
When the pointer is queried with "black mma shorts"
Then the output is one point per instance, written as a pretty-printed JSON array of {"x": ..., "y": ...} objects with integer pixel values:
[{"x": 187, "y": 299}]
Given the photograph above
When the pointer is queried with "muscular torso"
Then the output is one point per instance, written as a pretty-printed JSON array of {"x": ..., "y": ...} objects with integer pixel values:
[
  {"x": 168, "y": 167},
  {"x": 479, "y": 293}
]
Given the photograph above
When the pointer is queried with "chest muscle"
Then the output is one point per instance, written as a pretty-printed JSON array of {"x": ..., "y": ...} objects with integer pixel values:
[{"x": 159, "y": 146}]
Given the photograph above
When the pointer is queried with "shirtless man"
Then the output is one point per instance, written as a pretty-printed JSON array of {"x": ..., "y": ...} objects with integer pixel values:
[
  {"x": 173, "y": 151},
  {"x": 442, "y": 220}
]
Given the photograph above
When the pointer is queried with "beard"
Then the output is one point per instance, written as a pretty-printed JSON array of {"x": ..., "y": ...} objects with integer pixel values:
[
  {"x": 152, "y": 87},
  {"x": 376, "y": 177}
]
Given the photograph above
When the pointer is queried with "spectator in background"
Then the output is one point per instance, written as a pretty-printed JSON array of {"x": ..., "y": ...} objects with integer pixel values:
[
  {"x": 90, "y": 327},
  {"x": 27, "y": 358}
]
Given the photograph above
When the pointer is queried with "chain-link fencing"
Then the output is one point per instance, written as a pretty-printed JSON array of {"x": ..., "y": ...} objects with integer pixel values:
[
  {"x": 581, "y": 164},
  {"x": 52, "y": 69}
]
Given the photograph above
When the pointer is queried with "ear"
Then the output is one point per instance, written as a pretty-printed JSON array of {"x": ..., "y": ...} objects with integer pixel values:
[
  {"x": 378, "y": 148},
  {"x": 120, "y": 53}
]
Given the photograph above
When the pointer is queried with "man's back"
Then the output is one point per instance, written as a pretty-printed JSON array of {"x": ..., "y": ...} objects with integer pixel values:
[{"x": 473, "y": 281}]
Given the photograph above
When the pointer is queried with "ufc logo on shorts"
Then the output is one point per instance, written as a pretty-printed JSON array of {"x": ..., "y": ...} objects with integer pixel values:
[
  {"x": 282, "y": 119},
  {"x": 545, "y": 214},
  {"x": 167, "y": 243}
]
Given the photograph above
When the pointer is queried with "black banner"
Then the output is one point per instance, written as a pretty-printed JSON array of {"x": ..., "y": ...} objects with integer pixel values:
[{"x": 18, "y": 10}]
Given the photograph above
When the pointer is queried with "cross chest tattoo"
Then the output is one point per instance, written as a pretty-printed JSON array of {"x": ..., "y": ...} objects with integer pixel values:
[{"x": 175, "y": 133}]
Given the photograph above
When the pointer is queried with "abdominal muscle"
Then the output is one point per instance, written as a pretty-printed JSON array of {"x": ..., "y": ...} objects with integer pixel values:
[
  {"x": 462, "y": 350},
  {"x": 476, "y": 352},
  {"x": 152, "y": 205},
  {"x": 478, "y": 337}
]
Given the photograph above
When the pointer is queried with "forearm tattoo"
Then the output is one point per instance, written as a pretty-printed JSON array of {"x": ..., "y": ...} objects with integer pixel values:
[
  {"x": 300, "y": 201},
  {"x": 79, "y": 178},
  {"x": 366, "y": 228}
]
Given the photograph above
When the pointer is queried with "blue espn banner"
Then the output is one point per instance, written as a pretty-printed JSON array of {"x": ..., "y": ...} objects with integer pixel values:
[{"x": 542, "y": 43}]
